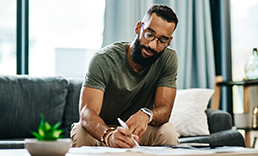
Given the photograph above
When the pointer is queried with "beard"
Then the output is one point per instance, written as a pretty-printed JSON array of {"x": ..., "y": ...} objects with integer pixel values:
[{"x": 137, "y": 57}]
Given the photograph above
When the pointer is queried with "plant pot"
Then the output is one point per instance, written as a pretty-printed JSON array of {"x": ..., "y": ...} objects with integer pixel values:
[{"x": 47, "y": 148}]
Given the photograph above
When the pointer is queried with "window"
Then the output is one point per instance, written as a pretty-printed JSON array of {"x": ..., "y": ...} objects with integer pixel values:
[
  {"x": 244, "y": 27},
  {"x": 63, "y": 36},
  {"x": 8, "y": 37}
]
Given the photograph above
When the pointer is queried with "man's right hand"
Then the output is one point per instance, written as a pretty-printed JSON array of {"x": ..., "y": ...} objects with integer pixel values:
[{"x": 122, "y": 138}]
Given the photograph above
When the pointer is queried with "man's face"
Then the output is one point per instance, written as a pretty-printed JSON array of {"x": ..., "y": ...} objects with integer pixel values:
[
  {"x": 137, "y": 55},
  {"x": 147, "y": 52}
]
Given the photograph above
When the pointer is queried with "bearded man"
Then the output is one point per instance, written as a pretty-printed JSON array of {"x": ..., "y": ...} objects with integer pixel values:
[{"x": 135, "y": 82}]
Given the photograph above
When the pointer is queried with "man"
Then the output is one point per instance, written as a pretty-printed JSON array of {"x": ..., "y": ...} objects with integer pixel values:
[{"x": 135, "y": 82}]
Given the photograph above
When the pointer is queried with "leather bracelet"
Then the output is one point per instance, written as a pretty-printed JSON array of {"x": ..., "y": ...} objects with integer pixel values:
[
  {"x": 106, "y": 138},
  {"x": 105, "y": 133}
]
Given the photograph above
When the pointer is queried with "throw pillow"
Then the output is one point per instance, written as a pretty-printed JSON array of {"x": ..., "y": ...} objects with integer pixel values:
[
  {"x": 22, "y": 100},
  {"x": 188, "y": 114}
]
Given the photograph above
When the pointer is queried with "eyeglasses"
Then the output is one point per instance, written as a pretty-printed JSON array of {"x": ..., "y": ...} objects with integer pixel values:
[{"x": 149, "y": 36}]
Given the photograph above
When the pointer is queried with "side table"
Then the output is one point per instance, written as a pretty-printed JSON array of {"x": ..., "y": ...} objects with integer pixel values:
[
  {"x": 248, "y": 135},
  {"x": 215, "y": 103}
]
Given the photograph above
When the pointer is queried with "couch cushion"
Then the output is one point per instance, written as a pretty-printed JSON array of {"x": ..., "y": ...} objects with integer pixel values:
[
  {"x": 24, "y": 98},
  {"x": 71, "y": 113},
  {"x": 12, "y": 143}
]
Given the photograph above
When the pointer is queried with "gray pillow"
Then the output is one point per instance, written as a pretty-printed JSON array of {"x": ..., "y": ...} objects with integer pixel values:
[{"x": 24, "y": 98}]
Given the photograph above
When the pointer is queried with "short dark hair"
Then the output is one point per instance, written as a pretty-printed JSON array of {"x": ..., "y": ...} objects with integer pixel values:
[{"x": 165, "y": 12}]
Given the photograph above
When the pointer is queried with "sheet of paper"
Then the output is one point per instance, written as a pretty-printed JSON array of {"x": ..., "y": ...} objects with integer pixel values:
[
  {"x": 143, "y": 149},
  {"x": 95, "y": 150},
  {"x": 170, "y": 151},
  {"x": 227, "y": 149},
  {"x": 152, "y": 150}
]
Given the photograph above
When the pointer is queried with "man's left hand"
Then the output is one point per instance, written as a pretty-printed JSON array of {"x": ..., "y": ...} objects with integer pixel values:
[{"x": 137, "y": 123}]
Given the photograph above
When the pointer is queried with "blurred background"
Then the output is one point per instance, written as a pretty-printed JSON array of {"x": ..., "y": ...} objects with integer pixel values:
[{"x": 213, "y": 37}]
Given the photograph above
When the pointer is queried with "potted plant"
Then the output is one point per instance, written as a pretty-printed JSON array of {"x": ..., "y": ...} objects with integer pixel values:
[{"x": 48, "y": 140}]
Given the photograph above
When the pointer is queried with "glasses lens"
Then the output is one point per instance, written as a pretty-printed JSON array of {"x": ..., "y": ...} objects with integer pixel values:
[
  {"x": 162, "y": 42},
  {"x": 149, "y": 36}
]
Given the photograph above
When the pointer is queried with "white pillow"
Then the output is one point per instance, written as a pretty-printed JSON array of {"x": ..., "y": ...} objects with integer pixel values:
[{"x": 188, "y": 114}]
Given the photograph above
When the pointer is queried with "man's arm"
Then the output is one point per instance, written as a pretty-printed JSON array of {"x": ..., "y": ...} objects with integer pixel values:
[
  {"x": 164, "y": 100},
  {"x": 90, "y": 106}
]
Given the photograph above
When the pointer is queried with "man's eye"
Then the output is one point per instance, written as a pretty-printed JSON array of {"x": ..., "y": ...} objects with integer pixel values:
[
  {"x": 163, "y": 41},
  {"x": 149, "y": 34}
]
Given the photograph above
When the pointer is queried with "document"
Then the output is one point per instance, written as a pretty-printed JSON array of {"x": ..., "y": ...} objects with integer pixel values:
[
  {"x": 153, "y": 150},
  {"x": 159, "y": 150},
  {"x": 169, "y": 151},
  {"x": 95, "y": 150}
]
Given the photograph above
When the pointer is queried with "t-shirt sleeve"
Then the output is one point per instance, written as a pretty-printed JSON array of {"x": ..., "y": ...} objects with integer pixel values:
[
  {"x": 169, "y": 74},
  {"x": 95, "y": 76}
]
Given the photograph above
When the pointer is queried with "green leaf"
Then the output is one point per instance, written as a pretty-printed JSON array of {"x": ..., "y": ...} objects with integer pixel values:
[
  {"x": 41, "y": 132},
  {"x": 37, "y": 135},
  {"x": 57, "y": 133},
  {"x": 42, "y": 122},
  {"x": 56, "y": 125},
  {"x": 47, "y": 126}
]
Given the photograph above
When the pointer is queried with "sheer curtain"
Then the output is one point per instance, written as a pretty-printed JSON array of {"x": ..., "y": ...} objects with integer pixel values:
[
  {"x": 121, "y": 18},
  {"x": 192, "y": 38}
]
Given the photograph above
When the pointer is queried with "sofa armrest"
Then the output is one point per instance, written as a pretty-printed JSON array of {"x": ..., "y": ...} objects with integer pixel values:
[
  {"x": 218, "y": 120},
  {"x": 223, "y": 138}
]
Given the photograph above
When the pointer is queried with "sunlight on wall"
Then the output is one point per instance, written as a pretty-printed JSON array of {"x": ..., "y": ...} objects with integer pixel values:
[
  {"x": 59, "y": 24},
  {"x": 244, "y": 24},
  {"x": 66, "y": 24}
]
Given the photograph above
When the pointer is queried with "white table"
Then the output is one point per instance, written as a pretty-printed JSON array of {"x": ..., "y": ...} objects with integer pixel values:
[{"x": 24, "y": 152}]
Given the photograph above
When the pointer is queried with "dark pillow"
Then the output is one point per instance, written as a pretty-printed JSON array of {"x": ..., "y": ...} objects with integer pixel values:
[
  {"x": 71, "y": 113},
  {"x": 24, "y": 98}
]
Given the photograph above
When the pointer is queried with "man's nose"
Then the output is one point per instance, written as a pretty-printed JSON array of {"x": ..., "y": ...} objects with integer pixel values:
[{"x": 153, "y": 44}]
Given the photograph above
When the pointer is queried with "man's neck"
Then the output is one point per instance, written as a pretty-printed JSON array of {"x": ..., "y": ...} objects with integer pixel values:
[{"x": 136, "y": 67}]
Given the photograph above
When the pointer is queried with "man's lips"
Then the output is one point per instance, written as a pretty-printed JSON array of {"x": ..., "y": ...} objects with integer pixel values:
[{"x": 148, "y": 52}]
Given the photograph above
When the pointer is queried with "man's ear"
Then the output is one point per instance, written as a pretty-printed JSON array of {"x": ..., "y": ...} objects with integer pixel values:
[
  {"x": 169, "y": 40},
  {"x": 138, "y": 27}
]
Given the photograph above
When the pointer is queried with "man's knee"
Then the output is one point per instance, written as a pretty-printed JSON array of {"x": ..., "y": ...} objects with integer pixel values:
[
  {"x": 165, "y": 134},
  {"x": 81, "y": 138},
  {"x": 168, "y": 134}
]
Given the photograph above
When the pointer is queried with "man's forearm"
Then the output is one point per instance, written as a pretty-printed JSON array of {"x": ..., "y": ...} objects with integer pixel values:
[
  {"x": 92, "y": 123},
  {"x": 161, "y": 115}
]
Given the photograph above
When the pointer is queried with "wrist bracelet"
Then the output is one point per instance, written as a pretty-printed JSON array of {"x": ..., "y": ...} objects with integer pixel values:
[
  {"x": 105, "y": 133},
  {"x": 106, "y": 138}
]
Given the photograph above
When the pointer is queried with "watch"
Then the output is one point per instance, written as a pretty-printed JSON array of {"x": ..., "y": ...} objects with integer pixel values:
[{"x": 148, "y": 112}]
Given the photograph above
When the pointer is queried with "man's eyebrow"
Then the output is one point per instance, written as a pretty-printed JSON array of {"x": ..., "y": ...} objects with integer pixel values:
[{"x": 155, "y": 32}]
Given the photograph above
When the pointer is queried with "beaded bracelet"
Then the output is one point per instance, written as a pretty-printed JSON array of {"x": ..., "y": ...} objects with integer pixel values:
[{"x": 105, "y": 133}]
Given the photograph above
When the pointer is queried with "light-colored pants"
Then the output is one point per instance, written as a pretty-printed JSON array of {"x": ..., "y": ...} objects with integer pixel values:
[{"x": 165, "y": 134}]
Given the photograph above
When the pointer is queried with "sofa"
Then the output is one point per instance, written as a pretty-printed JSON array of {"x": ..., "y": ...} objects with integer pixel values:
[{"x": 23, "y": 98}]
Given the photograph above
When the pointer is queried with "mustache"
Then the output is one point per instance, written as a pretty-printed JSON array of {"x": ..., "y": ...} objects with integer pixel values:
[{"x": 149, "y": 49}]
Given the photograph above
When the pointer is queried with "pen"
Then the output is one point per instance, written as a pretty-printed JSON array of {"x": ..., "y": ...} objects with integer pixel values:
[{"x": 123, "y": 124}]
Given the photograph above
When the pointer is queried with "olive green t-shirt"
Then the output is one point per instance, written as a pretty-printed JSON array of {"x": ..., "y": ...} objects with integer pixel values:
[{"x": 127, "y": 91}]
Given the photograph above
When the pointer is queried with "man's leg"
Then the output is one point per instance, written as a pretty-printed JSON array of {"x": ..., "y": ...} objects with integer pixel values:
[
  {"x": 165, "y": 134},
  {"x": 81, "y": 138}
]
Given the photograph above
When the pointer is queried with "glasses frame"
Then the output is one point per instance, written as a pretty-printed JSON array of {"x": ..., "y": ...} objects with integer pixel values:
[{"x": 153, "y": 37}]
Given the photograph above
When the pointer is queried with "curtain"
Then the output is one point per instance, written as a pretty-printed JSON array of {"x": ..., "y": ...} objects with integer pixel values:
[
  {"x": 220, "y": 13},
  {"x": 192, "y": 38},
  {"x": 120, "y": 19}
]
